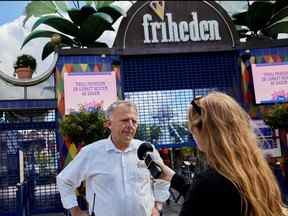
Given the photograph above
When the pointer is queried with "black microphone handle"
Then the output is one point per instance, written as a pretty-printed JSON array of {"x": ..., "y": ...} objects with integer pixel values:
[{"x": 154, "y": 168}]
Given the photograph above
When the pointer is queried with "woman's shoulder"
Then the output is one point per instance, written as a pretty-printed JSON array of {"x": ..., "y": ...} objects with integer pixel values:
[
  {"x": 212, "y": 181},
  {"x": 213, "y": 189}
]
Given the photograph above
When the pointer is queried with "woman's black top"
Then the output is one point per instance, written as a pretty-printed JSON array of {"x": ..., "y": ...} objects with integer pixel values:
[{"x": 210, "y": 194}]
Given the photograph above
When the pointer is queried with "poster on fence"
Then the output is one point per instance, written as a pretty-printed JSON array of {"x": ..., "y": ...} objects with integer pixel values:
[
  {"x": 270, "y": 82},
  {"x": 89, "y": 90},
  {"x": 270, "y": 145}
]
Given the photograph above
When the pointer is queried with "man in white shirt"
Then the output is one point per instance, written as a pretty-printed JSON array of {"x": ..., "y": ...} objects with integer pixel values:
[{"x": 117, "y": 182}]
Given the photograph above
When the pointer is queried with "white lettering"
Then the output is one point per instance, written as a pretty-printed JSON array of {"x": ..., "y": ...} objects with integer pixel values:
[
  {"x": 193, "y": 27},
  {"x": 214, "y": 30},
  {"x": 146, "y": 18},
  {"x": 170, "y": 31},
  {"x": 203, "y": 27},
  {"x": 164, "y": 32},
  {"x": 183, "y": 29},
  {"x": 154, "y": 27},
  {"x": 173, "y": 29}
]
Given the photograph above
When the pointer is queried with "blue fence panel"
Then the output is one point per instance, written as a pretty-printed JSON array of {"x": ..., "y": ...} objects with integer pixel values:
[
  {"x": 163, "y": 86},
  {"x": 34, "y": 132}
]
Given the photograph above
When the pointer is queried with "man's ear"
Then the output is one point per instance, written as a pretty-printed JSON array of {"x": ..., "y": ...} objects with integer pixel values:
[{"x": 107, "y": 124}]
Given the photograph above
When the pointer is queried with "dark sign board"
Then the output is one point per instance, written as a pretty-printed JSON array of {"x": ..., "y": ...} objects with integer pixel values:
[{"x": 176, "y": 26}]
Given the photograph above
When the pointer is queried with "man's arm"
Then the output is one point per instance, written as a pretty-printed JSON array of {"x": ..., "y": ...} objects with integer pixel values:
[
  {"x": 161, "y": 191},
  {"x": 160, "y": 187},
  {"x": 71, "y": 177}
]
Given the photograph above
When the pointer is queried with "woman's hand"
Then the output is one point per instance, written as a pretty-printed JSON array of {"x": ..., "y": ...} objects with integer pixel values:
[{"x": 167, "y": 172}]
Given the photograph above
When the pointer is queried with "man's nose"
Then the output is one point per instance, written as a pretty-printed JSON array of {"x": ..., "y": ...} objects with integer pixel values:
[{"x": 131, "y": 123}]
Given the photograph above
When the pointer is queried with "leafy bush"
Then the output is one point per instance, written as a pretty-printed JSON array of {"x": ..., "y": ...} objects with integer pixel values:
[
  {"x": 277, "y": 116},
  {"x": 84, "y": 127}
]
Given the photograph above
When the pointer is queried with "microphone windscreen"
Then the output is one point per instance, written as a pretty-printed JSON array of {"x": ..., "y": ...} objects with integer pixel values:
[{"x": 143, "y": 149}]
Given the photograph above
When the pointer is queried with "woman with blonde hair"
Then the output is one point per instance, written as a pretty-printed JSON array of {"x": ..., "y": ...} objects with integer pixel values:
[{"x": 238, "y": 180}]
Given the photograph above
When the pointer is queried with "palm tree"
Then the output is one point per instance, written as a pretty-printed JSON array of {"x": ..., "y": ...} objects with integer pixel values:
[
  {"x": 87, "y": 22},
  {"x": 263, "y": 19}
]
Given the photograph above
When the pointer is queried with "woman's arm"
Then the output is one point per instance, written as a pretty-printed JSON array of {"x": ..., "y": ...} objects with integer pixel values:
[{"x": 178, "y": 183}]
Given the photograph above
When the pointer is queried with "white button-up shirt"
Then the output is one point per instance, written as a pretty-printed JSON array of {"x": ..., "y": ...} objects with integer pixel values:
[{"x": 120, "y": 181}]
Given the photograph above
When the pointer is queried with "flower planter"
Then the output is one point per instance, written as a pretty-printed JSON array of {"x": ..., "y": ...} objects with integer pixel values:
[{"x": 24, "y": 73}]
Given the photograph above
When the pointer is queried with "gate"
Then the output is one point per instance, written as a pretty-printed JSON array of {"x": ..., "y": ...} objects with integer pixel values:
[
  {"x": 34, "y": 131},
  {"x": 163, "y": 86}
]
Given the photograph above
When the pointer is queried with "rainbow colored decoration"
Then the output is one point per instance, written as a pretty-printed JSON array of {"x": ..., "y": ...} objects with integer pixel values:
[
  {"x": 246, "y": 83},
  {"x": 70, "y": 64}
]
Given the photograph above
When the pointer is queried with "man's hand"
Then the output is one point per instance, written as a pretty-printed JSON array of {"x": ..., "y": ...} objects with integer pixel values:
[
  {"x": 155, "y": 212},
  {"x": 157, "y": 209},
  {"x": 76, "y": 211}
]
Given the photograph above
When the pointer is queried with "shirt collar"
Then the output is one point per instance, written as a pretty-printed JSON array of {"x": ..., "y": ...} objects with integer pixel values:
[{"x": 111, "y": 147}]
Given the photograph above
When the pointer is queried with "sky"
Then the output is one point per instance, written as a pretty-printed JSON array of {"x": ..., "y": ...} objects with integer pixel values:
[
  {"x": 12, "y": 34},
  {"x": 10, "y": 10}
]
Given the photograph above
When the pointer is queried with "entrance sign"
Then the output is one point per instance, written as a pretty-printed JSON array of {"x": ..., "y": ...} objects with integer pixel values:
[
  {"x": 176, "y": 27},
  {"x": 184, "y": 31},
  {"x": 89, "y": 90}
]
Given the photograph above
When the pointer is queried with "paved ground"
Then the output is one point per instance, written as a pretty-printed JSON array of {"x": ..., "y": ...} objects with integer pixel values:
[{"x": 172, "y": 209}]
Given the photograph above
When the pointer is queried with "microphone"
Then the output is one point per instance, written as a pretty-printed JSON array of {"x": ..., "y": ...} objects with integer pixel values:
[{"x": 144, "y": 153}]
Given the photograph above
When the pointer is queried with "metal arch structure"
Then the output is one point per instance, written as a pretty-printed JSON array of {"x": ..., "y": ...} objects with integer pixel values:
[
  {"x": 29, "y": 124},
  {"x": 33, "y": 81}
]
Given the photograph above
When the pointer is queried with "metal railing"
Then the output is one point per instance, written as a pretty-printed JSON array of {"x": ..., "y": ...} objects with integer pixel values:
[{"x": 23, "y": 199}]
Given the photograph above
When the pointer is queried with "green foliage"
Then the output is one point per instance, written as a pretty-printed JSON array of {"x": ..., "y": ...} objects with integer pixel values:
[
  {"x": 263, "y": 19},
  {"x": 84, "y": 127},
  {"x": 155, "y": 133},
  {"x": 113, "y": 10},
  {"x": 25, "y": 61},
  {"x": 150, "y": 133},
  {"x": 47, "y": 50},
  {"x": 141, "y": 132},
  {"x": 94, "y": 26},
  {"x": 89, "y": 3},
  {"x": 61, "y": 5},
  {"x": 48, "y": 34},
  {"x": 59, "y": 23},
  {"x": 85, "y": 26},
  {"x": 277, "y": 116},
  {"x": 188, "y": 150},
  {"x": 100, "y": 4},
  {"x": 38, "y": 8}
]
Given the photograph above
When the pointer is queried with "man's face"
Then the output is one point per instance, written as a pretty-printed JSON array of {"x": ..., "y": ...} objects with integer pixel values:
[{"x": 123, "y": 124}]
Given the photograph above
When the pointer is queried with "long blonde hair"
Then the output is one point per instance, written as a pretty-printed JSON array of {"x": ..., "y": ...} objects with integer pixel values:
[{"x": 231, "y": 149}]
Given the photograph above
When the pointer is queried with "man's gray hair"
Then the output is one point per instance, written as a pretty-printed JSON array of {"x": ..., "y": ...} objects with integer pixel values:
[{"x": 116, "y": 104}]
